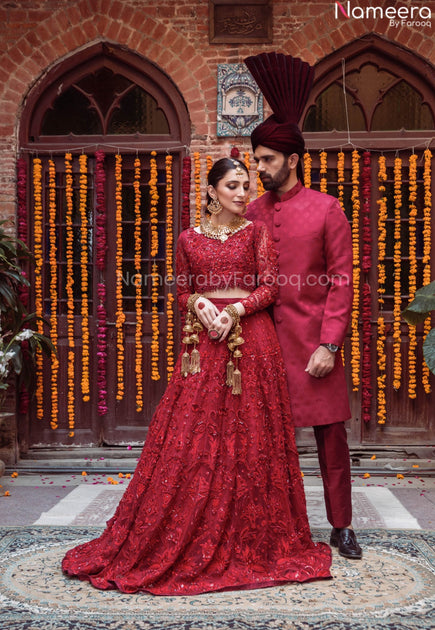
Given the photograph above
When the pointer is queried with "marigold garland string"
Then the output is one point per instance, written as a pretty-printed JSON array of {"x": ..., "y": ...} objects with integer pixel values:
[
  {"x": 84, "y": 262},
  {"x": 381, "y": 338},
  {"x": 39, "y": 261},
  {"x": 397, "y": 302},
  {"x": 120, "y": 316},
  {"x": 170, "y": 335},
  {"x": 138, "y": 284},
  {"x": 169, "y": 267},
  {"x": 197, "y": 178},
  {"x": 340, "y": 178},
  {"x": 307, "y": 169},
  {"x": 323, "y": 172},
  {"x": 102, "y": 349},
  {"x": 169, "y": 220},
  {"x": 366, "y": 388},
  {"x": 69, "y": 290},
  {"x": 185, "y": 190},
  {"x": 52, "y": 257},
  {"x": 209, "y": 164},
  {"x": 260, "y": 187},
  {"x": 412, "y": 228},
  {"x": 247, "y": 163},
  {"x": 355, "y": 339},
  {"x": 24, "y": 397},
  {"x": 101, "y": 217},
  {"x": 101, "y": 250},
  {"x": 427, "y": 238},
  {"x": 155, "y": 376},
  {"x": 154, "y": 200},
  {"x": 21, "y": 199}
]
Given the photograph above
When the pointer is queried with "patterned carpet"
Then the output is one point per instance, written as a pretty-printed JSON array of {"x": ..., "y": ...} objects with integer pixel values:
[{"x": 393, "y": 587}]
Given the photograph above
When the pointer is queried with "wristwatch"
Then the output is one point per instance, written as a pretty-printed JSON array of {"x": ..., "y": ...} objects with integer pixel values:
[{"x": 330, "y": 346}]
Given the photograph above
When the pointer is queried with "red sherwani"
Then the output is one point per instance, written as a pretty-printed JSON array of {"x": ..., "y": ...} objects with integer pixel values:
[{"x": 313, "y": 239}]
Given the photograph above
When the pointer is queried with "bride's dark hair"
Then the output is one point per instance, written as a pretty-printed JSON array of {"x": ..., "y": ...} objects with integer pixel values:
[{"x": 219, "y": 169}]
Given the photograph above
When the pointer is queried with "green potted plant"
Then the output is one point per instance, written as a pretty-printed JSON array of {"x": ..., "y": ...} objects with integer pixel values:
[
  {"x": 416, "y": 312},
  {"x": 19, "y": 342}
]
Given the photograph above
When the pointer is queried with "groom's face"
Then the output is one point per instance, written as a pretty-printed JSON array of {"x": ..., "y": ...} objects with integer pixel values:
[{"x": 273, "y": 168}]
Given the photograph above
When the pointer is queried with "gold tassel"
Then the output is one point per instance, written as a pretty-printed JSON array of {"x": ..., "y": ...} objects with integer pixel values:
[
  {"x": 230, "y": 373},
  {"x": 237, "y": 382},
  {"x": 185, "y": 363},
  {"x": 195, "y": 365}
]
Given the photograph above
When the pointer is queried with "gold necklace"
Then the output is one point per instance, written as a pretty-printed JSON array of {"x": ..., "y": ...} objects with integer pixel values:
[{"x": 222, "y": 232}]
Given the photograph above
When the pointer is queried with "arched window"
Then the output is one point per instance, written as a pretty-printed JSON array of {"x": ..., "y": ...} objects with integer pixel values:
[
  {"x": 104, "y": 103},
  {"x": 106, "y": 99},
  {"x": 377, "y": 100}
]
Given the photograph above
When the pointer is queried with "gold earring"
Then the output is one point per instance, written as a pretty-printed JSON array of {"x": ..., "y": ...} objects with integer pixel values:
[{"x": 215, "y": 207}]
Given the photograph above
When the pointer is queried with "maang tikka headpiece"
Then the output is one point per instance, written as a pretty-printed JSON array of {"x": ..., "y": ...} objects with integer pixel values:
[{"x": 239, "y": 170}]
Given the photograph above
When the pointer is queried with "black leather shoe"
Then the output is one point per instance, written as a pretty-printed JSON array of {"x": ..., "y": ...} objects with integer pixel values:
[{"x": 346, "y": 542}]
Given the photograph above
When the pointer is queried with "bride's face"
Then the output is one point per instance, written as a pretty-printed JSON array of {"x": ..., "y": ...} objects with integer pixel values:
[{"x": 232, "y": 191}]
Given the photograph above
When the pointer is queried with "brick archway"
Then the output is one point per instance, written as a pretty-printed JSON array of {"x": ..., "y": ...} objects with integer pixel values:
[{"x": 70, "y": 29}]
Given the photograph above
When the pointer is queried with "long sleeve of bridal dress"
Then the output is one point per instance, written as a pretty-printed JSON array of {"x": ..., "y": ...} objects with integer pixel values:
[{"x": 217, "y": 500}]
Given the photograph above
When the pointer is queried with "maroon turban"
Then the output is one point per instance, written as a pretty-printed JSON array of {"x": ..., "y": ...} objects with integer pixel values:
[
  {"x": 284, "y": 137},
  {"x": 285, "y": 82}
]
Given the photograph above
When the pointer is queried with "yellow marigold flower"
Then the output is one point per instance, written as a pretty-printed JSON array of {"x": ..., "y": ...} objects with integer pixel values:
[
  {"x": 415, "y": 465},
  {"x": 84, "y": 474},
  {"x": 127, "y": 476},
  {"x": 121, "y": 475},
  {"x": 373, "y": 457},
  {"x": 399, "y": 476},
  {"x": 366, "y": 475}
]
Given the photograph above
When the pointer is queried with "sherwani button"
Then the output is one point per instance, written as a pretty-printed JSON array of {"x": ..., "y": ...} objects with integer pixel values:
[
  {"x": 278, "y": 320},
  {"x": 278, "y": 303},
  {"x": 277, "y": 207},
  {"x": 276, "y": 239}
]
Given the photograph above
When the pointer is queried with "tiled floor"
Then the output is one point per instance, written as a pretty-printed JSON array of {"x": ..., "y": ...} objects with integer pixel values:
[{"x": 379, "y": 501}]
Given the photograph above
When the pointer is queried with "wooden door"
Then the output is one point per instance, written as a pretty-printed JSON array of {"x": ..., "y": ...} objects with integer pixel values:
[{"x": 66, "y": 408}]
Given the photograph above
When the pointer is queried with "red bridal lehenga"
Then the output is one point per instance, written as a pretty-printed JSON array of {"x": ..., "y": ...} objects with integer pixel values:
[{"x": 217, "y": 500}]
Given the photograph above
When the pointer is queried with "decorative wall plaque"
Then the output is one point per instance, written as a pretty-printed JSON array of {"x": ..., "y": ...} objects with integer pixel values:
[
  {"x": 242, "y": 21},
  {"x": 239, "y": 101}
]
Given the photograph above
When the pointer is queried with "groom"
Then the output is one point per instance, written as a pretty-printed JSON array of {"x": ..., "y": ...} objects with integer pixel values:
[{"x": 312, "y": 312}]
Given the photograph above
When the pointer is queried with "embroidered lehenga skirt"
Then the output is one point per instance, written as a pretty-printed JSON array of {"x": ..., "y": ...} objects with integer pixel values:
[{"x": 217, "y": 500}]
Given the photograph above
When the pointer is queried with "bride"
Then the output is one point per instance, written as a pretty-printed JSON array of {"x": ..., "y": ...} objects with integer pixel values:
[{"x": 217, "y": 500}]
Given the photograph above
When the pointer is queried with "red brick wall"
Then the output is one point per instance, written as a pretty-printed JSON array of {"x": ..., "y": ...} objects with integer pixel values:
[{"x": 36, "y": 34}]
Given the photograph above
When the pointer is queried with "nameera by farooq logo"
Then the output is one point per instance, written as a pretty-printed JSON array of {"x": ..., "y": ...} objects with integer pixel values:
[{"x": 397, "y": 16}]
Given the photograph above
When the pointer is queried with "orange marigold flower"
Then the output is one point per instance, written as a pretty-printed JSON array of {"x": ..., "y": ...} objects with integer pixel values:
[
  {"x": 400, "y": 476},
  {"x": 14, "y": 474},
  {"x": 366, "y": 475},
  {"x": 7, "y": 493},
  {"x": 84, "y": 474}
]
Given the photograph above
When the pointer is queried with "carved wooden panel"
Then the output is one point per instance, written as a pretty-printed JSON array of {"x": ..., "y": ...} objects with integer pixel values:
[{"x": 245, "y": 21}]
